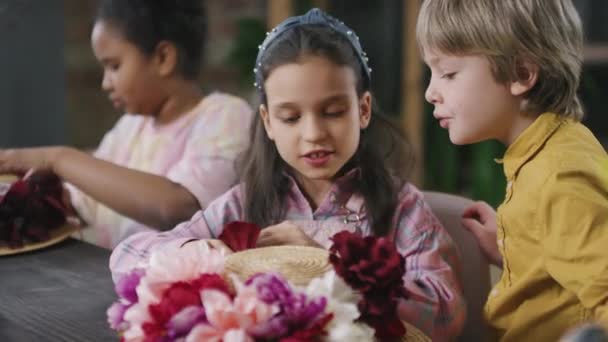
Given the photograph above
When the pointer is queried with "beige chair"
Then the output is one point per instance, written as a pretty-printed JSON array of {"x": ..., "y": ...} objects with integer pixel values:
[{"x": 476, "y": 271}]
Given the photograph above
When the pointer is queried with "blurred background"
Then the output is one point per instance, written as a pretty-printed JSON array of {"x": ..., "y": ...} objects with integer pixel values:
[{"x": 50, "y": 82}]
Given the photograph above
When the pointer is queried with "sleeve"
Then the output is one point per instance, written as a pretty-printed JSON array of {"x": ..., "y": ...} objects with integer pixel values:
[
  {"x": 205, "y": 224},
  {"x": 573, "y": 213},
  {"x": 432, "y": 266},
  {"x": 108, "y": 149},
  {"x": 207, "y": 168}
]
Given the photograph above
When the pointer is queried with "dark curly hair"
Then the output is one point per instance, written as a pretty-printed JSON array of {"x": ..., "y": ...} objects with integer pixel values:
[{"x": 145, "y": 23}]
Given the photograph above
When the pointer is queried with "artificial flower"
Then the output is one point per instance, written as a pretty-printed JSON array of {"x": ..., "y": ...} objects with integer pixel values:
[
  {"x": 30, "y": 208},
  {"x": 374, "y": 267},
  {"x": 183, "y": 295},
  {"x": 240, "y": 236}
]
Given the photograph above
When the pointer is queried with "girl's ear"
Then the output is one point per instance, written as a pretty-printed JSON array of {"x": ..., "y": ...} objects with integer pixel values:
[
  {"x": 365, "y": 109},
  {"x": 165, "y": 56},
  {"x": 266, "y": 120},
  {"x": 526, "y": 76}
]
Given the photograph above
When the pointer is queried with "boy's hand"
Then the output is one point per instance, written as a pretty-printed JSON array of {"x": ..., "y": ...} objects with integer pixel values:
[
  {"x": 480, "y": 219},
  {"x": 285, "y": 233}
]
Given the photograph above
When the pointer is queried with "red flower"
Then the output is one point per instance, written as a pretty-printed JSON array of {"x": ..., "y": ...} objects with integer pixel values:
[
  {"x": 240, "y": 236},
  {"x": 30, "y": 208},
  {"x": 177, "y": 297},
  {"x": 374, "y": 267}
]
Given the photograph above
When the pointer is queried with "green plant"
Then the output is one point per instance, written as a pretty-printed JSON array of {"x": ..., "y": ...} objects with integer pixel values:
[{"x": 250, "y": 33}]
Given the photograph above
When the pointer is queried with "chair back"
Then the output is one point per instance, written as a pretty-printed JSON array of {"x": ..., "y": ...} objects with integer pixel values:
[{"x": 476, "y": 270}]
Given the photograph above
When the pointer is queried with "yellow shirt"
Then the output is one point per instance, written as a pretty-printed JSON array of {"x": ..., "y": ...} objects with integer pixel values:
[{"x": 552, "y": 233}]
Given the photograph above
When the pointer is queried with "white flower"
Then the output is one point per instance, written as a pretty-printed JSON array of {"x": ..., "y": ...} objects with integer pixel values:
[
  {"x": 342, "y": 302},
  {"x": 351, "y": 332},
  {"x": 170, "y": 265},
  {"x": 184, "y": 263}
]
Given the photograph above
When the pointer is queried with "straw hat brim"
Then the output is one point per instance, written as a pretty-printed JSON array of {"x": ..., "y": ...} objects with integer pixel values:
[
  {"x": 56, "y": 236},
  {"x": 298, "y": 264}
]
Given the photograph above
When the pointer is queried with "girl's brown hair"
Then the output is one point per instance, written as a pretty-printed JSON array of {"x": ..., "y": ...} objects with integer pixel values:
[{"x": 382, "y": 156}]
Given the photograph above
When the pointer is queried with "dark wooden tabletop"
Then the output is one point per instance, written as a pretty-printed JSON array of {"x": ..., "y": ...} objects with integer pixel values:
[{"x": 60, "y": 293}]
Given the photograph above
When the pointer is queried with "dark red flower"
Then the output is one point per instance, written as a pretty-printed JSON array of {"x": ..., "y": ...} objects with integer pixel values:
[
  {"x": 30, "y": 208},
  {"x": 240, "y": 236},
  {"x": 373, "y": 267},
  {"x": 177, "y": 297}
]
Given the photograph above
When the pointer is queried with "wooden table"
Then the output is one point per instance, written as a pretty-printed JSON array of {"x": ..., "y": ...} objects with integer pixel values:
[{"x": 60, "y": 293}]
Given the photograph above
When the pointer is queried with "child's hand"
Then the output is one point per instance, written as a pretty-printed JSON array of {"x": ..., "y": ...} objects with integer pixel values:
[
  {"x": 219, "y": 244},
  {"x": 285, "y": 233},
  {"x": 212, "y": 243},
  {"x": 480, "y": 219},
  {"x": 21, "y": 160}
]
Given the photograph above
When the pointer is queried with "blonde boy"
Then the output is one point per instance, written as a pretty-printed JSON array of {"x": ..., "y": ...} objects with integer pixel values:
[{"x": 509, "y": 70}]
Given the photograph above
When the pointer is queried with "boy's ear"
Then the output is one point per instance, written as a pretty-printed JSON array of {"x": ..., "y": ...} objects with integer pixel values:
[
  {"x": 166, "y": 58},
  {"x": 526, "y": 76},
  {"x": 266, "y": 121},
  {"x": 365, "y": 110}
]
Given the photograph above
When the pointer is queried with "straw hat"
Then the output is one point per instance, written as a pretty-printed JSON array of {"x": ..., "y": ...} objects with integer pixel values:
[
  {"x": 56, "y": 235},
  {"x": 298, "y": 264}
]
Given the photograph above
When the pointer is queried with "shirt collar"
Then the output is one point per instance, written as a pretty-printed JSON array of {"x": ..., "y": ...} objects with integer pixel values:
[{"x": 529, "y": 142}]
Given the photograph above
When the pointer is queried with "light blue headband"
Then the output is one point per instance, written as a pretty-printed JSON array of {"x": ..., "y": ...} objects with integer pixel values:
[{"x": 313, "y": 17}]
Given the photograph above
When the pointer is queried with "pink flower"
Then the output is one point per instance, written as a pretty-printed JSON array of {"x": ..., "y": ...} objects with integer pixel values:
[
  {"x": 178, "y": 297},
  {"x": 170, "y": 265},
  {"x": 116, "y": 314},
  {"x": 127, "y": 285},
  {"x": 203, "y": 333},
  {"x": 231, "y": 319},
  {"x": 182, "y": 323}
]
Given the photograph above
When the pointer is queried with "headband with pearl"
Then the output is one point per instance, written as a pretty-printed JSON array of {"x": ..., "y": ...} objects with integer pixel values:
[{"x": 313, "y": 17}]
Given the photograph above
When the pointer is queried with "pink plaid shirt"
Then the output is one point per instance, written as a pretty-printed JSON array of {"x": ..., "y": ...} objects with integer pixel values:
[{"x": 435, "y": 304}]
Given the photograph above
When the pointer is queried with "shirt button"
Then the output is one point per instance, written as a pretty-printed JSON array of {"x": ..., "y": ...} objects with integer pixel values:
[
  {"x": 494, "y": 293},
  {"x": 501, "y": 243}
]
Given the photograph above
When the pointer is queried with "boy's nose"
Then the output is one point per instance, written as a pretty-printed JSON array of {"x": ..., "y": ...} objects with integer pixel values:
[{"x": 431, "y": 94}]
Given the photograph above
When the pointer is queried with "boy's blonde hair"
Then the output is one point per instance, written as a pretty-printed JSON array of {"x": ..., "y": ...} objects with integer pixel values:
[{"x": 545, "y": 33}]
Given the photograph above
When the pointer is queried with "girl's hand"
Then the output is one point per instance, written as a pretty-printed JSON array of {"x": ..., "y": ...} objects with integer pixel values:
[
  {"x": 212, "y": 243},
  {"x": 480, "y": 219},
  {"x": 21, "y": 160},
  {"x": 285, "y": 233}
]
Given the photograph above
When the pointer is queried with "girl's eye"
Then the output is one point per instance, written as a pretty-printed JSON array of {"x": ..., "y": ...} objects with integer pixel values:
[
  {"x": 113, "y": 66},
  {"x": 334, "y": 114},
  {"x": 290, "y": 119},
  {"x": 449, "y": 75}
]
